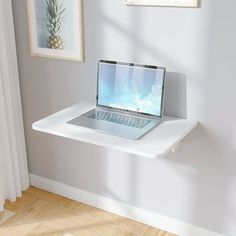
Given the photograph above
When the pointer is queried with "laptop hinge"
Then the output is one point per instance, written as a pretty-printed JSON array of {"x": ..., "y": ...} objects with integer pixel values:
[{"x": 110, "y": 109}]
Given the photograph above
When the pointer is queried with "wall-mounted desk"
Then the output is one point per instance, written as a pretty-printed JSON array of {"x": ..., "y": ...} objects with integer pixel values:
[{"x": 158, "y": 142}]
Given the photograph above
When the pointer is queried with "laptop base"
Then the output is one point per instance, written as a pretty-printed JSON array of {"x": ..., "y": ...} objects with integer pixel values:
[{"x": 113, "y": 128}]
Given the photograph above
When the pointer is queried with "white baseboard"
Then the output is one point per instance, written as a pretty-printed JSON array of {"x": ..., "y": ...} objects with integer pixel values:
[
  {"x": 6, "y": 215},
  {"x": 119, "y": 208}
]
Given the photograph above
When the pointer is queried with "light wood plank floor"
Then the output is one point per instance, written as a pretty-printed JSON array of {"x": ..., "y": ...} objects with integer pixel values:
[{"x": 39, "y": 212}]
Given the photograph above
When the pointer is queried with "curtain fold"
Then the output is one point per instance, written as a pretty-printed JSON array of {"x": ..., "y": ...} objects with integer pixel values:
[{"x": 13, "y": 162}]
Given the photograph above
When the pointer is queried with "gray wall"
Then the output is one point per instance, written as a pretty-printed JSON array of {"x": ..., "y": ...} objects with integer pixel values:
[{"x": 196, "y": 185}]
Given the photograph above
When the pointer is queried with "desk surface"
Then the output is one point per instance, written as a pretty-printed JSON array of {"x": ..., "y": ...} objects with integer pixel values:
[{"x": 156, "y": 143}]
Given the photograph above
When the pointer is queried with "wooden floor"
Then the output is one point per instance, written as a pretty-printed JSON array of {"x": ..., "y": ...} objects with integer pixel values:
[{"x": 42, "y": 213}]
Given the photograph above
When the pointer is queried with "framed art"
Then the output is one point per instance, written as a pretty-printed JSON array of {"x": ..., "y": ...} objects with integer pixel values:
[
  {"x": 56, "y": 29},
  {"x": 164, "y": 3}
]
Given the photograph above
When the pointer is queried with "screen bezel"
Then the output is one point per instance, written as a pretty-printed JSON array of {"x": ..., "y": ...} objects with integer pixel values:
[{"x": 133, "y": 65}]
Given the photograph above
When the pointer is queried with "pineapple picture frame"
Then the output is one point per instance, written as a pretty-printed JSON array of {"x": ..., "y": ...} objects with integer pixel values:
[{"x": 56, "y": 29}]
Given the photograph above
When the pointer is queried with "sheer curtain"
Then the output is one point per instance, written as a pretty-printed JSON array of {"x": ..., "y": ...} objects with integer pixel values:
[{"x": 13, "y": 162}]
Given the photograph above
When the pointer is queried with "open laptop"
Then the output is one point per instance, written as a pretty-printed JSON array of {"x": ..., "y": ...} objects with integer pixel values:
[{"x": 129, "y": 99}]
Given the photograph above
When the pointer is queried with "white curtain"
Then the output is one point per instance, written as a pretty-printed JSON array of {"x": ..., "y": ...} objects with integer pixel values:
[{"x": 13, "y": 163}]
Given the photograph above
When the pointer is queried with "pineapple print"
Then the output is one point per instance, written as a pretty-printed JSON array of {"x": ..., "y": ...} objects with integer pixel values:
[
  {"x": 55, "y": 16},
  {"x": 55, "y": 42}
]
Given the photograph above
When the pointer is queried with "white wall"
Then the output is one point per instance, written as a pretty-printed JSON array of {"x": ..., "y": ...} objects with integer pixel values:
[{"x": 196, "y": 185}]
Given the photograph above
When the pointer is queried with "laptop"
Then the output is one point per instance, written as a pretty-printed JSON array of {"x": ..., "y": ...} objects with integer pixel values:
[{"x": 129, "y": 101}]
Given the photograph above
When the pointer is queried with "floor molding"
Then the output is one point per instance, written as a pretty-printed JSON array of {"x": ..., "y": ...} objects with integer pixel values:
[{"x": 119, "y": 208}]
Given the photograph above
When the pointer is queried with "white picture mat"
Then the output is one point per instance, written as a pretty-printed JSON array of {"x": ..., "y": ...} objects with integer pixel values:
[{"x": 171, "y": 3}]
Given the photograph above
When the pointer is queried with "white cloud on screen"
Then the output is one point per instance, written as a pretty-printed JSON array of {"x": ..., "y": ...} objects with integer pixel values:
[{"x": 148, "y": 104}]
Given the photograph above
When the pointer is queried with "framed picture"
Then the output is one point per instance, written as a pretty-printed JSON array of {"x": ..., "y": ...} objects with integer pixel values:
[
  {"x": 56, "y": 29},
  {"x": 164, "y": 3}
]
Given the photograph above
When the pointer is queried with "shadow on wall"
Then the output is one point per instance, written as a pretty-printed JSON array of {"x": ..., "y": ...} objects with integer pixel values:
[
  {"x": 175, "y": 91},
  {"x": 213, "y": 203},
  {"x": 211, "y": 172},
  {"x": 234, "y": 136},
  {"x": 175, "y": 103}
]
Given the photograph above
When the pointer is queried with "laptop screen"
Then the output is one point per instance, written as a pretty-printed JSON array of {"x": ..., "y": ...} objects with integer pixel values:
[{"x": 130, "y": 87}]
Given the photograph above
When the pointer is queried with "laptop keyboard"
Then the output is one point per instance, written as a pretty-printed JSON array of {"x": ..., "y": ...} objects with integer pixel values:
[{"x": 119, "y": 119}]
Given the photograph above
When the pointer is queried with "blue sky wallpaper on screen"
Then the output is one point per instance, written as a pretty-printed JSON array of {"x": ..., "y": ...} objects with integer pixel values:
[{"x": 133, "y": 88}]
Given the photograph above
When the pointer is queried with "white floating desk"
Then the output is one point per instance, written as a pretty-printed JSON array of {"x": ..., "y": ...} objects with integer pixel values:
[{"x": 158, "y": 142}]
